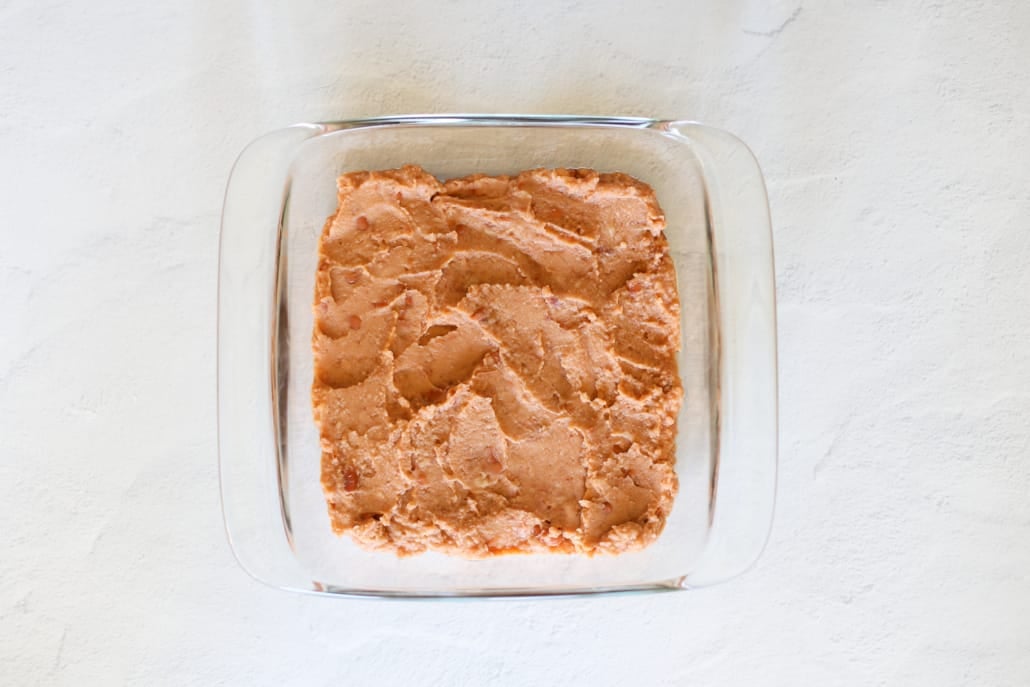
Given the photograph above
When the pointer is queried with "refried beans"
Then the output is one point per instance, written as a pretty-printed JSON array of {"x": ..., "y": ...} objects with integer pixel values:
[{"x": 495, "y": 362}]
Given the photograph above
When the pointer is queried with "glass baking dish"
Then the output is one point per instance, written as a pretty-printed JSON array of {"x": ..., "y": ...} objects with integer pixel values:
[{"x": 280, "y": 192}]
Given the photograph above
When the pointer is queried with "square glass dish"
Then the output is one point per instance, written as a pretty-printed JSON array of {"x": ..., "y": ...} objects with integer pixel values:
[{"x": 282, "y": 189}]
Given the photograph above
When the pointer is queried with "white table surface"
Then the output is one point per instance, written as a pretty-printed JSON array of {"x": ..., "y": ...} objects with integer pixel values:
[{"x": 895, "y": 137}]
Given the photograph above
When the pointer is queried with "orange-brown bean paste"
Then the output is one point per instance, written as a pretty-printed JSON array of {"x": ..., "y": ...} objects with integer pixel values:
[{"x": 495, "y": 362}]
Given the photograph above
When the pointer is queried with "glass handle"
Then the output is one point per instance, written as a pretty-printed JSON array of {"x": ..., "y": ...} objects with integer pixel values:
[
  {"x": 744, "y": 484},
  {"x": 248, "y": 464}
]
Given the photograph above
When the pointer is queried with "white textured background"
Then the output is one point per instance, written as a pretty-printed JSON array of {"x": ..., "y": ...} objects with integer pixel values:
[{"x": 895, "y": 137}]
